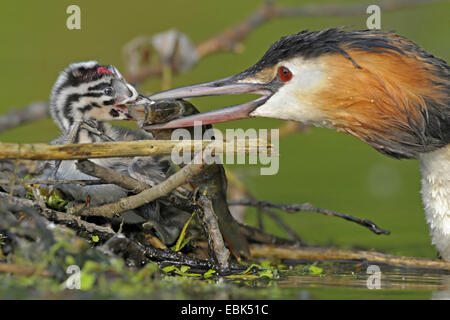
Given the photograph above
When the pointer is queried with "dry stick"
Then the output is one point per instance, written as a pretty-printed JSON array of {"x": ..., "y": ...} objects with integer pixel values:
[
  {"x": 56, "y": 182},
  {"x": 265, "y": 251},
  {"x": 296, "y": 207},
  {"x": 132, "y": 202},
  {"x": 229, "y": 39},
  {"x": 34, "y": 111},
  {"x": 42, "y": 151},
  {"x": 216, "y": 243},
  {"x": 22, "y": 270},
  {"x": 111, "y": 176}
]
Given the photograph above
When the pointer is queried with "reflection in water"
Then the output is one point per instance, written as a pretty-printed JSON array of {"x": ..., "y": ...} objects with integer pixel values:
[
  {"x": 444, "y": 293},
  {"x": 338, "y": 280}
]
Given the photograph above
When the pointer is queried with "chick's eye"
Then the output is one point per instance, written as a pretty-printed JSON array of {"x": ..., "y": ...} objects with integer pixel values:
[
  {"x": 108, "y": 91},
  {"x": 284, "y": 74}
]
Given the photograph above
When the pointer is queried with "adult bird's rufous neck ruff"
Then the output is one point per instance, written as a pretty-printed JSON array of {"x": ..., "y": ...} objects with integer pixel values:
[{"x": 396, "y": 99}]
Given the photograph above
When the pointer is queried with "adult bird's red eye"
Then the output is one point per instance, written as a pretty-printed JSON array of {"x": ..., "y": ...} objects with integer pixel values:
[{"x": 284, "y": 74}]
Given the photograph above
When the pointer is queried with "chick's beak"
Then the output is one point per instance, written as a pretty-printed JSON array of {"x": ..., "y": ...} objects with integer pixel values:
[{"x": 218, "y": 87}]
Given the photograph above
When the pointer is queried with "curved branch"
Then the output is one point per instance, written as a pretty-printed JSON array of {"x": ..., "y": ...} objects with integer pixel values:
[
  {"x": 297, "y": 207},
  {"x": 34, "y": 111}
]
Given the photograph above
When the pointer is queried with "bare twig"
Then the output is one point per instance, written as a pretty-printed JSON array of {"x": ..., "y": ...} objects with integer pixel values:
[
  {"x": 111, "y": 176},
  {"x": 22, "y": 270},
  {"x": 216, "y": 243},
  {"x": 41, "y": 151},
  {"x": 56, "y": 182},
  {"x": 135, "y": 186},
  {"x": 293, "y": 208},
  {"x": 34, "y": 111},
  {"x": 331, "y": 254}
]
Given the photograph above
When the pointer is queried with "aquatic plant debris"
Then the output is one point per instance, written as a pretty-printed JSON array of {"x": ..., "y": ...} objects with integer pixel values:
[{"x": 182, "y": 241}]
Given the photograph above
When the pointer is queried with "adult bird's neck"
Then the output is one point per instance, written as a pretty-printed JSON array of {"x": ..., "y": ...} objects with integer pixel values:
[{"x": 435, "y": 169}]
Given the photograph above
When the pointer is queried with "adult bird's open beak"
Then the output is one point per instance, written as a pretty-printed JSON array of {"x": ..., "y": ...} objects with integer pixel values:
[
  {"x": 230, "y": 85},
  {"x": 140, "y": 100}
]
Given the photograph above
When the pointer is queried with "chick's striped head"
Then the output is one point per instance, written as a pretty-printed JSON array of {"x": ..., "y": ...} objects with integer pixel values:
[{"x": 90, "y": 91}]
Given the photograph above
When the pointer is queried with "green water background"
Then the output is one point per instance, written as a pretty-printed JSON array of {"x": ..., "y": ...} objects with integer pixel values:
[{"x": 326, "y": 168}]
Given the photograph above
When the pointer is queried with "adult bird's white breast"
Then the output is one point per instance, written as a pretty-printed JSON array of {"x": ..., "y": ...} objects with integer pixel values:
[{"x": 435, "y": 169}]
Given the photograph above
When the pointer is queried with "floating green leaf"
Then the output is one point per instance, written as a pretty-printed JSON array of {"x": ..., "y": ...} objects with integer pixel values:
[
  {"x": 315, "y": 270},
  {"x": 168, "y": 269},
  {"x": 184, "y": 268},
  {"x": 87, "y": 281},
  {"x": 209, "y": 273}
]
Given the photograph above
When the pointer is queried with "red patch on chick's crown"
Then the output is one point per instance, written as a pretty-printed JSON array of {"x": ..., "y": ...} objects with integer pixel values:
[{"x": 103, "y": 70}]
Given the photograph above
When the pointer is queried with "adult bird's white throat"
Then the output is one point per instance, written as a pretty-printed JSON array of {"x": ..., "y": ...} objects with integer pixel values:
[{"x": 375, "y": 85}]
